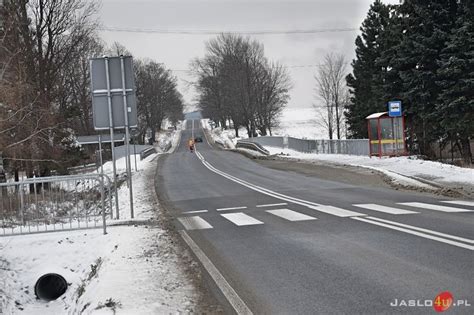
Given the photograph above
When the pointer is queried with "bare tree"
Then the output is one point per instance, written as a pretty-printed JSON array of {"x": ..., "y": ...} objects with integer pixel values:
[
  {"x": 237, "y": 83},
  {"x": 117, "y": 49},
  {"x": 157, "y": 96},
  {"x": 42, "y": 38},
  {"x": 332, "y": 91}
]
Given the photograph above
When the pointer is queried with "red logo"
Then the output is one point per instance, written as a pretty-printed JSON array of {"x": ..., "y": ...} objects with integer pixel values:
[{"x": 443, "y": 301}]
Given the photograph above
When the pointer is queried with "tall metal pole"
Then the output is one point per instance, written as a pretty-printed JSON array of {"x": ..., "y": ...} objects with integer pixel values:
[
  {"x": 101, "y": 161},
  {"x": 100, "y": 155},
  {"x": 111, "y": 128},
  {"x": 127, "y": 135},
  {"x": 135, "y": 153}
]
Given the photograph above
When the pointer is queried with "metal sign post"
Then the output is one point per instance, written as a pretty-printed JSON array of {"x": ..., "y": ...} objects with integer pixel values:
[
  {"x": 395, "y": 111},
  {"x": 111, "y": 129},
  {"x": 134, "y": 135},
  {"x": 127, "y": 135},
  {"x": 100, "y": 155}
]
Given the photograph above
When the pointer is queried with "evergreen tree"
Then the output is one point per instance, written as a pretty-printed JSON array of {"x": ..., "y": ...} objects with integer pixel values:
[
  {"x": 366, "y": 84},
  {"x": 426, "y": 27},
  {"x": 456, "y": 80}
]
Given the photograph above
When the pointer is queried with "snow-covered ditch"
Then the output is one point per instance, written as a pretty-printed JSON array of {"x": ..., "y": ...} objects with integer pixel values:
[{"x": 134, "y": 269}]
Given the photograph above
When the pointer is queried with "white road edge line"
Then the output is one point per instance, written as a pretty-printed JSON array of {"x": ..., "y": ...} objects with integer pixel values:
[
  {"x": 272, "y": 205},
  {"x": 435, "y": 238},
  {"x": 231, "y": 208},
  {"x": 461, "y": 239},
  {"x": 234, "y": 299},
  {"x": 194, "y": 211}
]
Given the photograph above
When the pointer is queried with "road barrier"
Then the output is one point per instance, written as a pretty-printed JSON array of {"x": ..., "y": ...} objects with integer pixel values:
[
  {"x": 343, "y": 146},
  {"x": 252, "y": 146},
  {"x": 147, "y": 152},
  {"x": 46, "y": 204}
]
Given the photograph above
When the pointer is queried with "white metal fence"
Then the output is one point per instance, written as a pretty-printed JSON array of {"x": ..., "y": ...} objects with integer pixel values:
[
  {"x": 345, "y": 146},
  {"x": 56, "y": 203}
]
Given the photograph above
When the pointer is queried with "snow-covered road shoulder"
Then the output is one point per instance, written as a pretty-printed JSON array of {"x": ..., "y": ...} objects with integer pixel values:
[{"x": 402, "y": 171}]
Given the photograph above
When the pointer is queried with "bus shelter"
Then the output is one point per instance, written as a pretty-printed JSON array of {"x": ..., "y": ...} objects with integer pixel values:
[{"x": 386, "y": 135}]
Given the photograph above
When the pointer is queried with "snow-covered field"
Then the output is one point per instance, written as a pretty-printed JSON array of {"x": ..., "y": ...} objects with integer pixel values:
[
  {"x": 300, "y": 123},
  {"x": 303, "y": 123},
  {"x": 134, "y": 269}
]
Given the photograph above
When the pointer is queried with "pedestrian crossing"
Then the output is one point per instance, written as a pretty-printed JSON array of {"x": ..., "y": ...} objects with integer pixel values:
[
  {"x": 434, "y": 207},
  {"x": 460, "y": 202},
  {"x": 194, "y": 223},
  {"x": 290, "y": 215},
  {"x": 385, "y": 209},
  {"x": 240, "y": 219}
]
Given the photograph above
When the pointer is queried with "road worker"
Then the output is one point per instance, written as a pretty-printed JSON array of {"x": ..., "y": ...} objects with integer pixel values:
[{"x": 191, "y": 144}]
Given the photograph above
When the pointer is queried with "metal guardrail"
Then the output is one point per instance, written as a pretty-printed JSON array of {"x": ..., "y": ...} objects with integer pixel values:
[
  {"x": 252, "y": 146},
  {"x": 82, "y": 168},
  {"x": 58, "y": 203},
  {"x": 146, "y": 153},
  {"x": 345, "y": 146}
]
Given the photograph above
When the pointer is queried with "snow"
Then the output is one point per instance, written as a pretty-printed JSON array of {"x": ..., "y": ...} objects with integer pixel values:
[
  {"x": 226, "y": 138},
  {"x": 404, "y": 170},
  {"x": 302, "y": 123},
  {"x": 139, "y": 268}
]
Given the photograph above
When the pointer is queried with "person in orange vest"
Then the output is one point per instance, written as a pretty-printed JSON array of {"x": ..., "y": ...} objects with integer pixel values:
[{"x": 191, "y": 145}]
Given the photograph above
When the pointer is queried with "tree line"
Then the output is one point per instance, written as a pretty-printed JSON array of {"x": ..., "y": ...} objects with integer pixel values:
[
  {"x": 237, "y": 83},
  {"x": 45, "y": 99},
  {"x": 422, "y": 53}
]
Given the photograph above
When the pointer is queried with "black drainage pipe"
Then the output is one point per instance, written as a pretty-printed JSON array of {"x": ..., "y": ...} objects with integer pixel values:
[{"x": 50, "y": 286}]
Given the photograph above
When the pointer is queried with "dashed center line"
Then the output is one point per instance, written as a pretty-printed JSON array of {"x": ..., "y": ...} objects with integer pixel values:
[{"x": 231, "y": 208}]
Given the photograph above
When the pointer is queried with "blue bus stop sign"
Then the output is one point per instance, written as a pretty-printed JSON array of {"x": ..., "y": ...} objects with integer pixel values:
[{"x": 395, "y": 108}]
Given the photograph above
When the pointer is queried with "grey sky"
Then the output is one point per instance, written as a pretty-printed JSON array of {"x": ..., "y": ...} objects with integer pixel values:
[{"x": 177, "y": 50}]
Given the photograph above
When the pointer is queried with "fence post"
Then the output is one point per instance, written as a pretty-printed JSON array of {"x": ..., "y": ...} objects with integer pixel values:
[{"x": 20, "y": 191}]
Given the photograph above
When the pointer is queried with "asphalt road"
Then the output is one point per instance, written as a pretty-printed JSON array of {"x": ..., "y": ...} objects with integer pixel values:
[{"x": 294, "y": 244}]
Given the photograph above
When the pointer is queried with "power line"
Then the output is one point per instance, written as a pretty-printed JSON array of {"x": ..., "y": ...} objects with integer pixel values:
[
  {"x": 216, "y": 32},
  {"x": 290, "y": 66}
]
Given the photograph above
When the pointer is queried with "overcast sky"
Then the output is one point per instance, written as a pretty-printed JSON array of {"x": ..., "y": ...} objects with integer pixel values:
[{"x": 177, "y": 50}]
